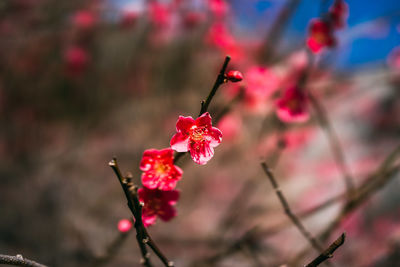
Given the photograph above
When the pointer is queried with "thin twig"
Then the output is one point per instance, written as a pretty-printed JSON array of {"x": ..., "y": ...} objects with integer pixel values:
[
  {"x": 377, "y": 180},
  {"x": 296, "y": 221},
  {"x": 205, "y": 103},
  {"x": 220, "y": 80},
  {"x": 328, "y": 253},
  {"x": 337, "y": 151},
  {"x": 19, "y": 260},
  {"x": 136, "y": 212},
  {"x": 112, "y": 250}
]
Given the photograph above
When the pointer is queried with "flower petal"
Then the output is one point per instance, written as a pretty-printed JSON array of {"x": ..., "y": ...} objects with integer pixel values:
[
  {"x": 150, "y": 180},
  {"x": 201, "y": 152},
  {"x": 170, "y": 197},
  {"x": 204, "y": 120},
  {"x": 215, "y": 136},
  {"x": 180, "y": 142},
  {"x": 184, "y": 123},
  {"x": 167, "y": 212},
  {"x": 148, "y": 159},
  {"x": 148, "y": 220}
]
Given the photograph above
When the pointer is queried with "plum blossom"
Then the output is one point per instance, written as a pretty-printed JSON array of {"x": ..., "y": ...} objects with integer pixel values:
[
  {"x": 293, "y": 105},
  {"x": 197, "y": 136},
  {"x": 159, "y": 170},
  {"x": 320, "y": 35},
  {"x": 339, "y": 12},
  {"x": 157, "y": 203},
  {"x": 76, "y": 60}
]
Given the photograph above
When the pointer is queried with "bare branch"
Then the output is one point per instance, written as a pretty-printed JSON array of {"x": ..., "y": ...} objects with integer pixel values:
[
  {"x": 328, "y": 253},
  {"x": 19, "y": 260}
]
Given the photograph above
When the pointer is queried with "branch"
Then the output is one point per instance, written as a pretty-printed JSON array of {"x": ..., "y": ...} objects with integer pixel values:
[
  {"x": 142, "y": 236},
  {"x": 18, "y": 260},
  {"x": 337, "y": 151},
  {"x": 205, "y": 103},
  {"x": 315, "y": 244},
  {"x": 328, "y": 253}
]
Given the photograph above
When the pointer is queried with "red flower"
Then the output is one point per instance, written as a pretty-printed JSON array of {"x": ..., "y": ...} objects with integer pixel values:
[
  {"x": 339, "y": 12},
  {"x": 76, "y": 60},
  {"x": 159, "y": 170},
  {"x": 196, "y": 136},
  {"x": 293, "y": 106},
  {"x": 157, "y": 203},
  {"x": 320, "y": 35},
  {"x": 84, "y": 19}
]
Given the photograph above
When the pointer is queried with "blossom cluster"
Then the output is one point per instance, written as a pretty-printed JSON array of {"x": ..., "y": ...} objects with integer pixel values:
[
  {"x": 160, "y": 174},
  {"x": 321, "y": 30}
]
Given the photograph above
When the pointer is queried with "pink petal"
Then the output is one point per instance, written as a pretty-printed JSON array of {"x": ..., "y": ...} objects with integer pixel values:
[
  {"x": 149, "y": 180},
  {"x": 148, "y": 159},
  {"x": 166, "y": 153},
  {"x": 167, "y": 212},
  {"x": 184, "y": 123},
  {"x": 167, "y": 185},
  {"x": 201, "y": 153},
  {"x": 204, "y": 120},
  {"x": 148, "y": 220},
  {"x": 170, "y": 197},
  {"x": 180, "y": 142},
  {"x": 215, "y": 136}
]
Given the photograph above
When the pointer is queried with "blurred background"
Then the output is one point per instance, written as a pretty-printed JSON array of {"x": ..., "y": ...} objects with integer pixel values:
[{"x": 83, "y": 81}]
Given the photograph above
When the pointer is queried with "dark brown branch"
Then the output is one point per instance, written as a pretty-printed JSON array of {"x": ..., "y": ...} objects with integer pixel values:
[
  {"x": 315, "y": 244},
  {"x": 220, "y": 80},
  {"x": 337, "y": 151},
  {"x": 18, "y": 260},
  {"x": 377, "y": 180},
  {"x": 142, "y": 236},
  {"x": 205, "y": 103},
  {"x": 277, "y": 29},
  {"x": 328, "y": 253},
  {"x": 136, "y": 212}
]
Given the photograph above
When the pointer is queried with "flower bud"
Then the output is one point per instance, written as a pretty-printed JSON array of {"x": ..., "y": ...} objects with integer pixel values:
[{"x": 234, "y": 76}]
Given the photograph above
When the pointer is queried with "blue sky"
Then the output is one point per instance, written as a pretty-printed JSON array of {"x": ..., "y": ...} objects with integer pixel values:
[{"x": 360, "y": 43}]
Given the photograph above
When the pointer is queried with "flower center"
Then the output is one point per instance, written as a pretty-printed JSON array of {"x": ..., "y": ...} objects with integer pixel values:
[
  {"x": 161, "y": 168},
  {"x": 320, "y": 37},
  {"x": 197, "y": 133}
]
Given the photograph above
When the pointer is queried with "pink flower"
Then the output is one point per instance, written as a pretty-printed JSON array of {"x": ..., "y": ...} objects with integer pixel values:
[
  {"x": 339, "y": 12},
  {"x": 76, "y": 60},
  {"x": 84, "y": 19},
  {"x": 160, "y": 14},
  {"x": 124, "y": 225},
  {"x": 159, "y": 170},
  {"x": 196, "y": 136},
  {"x": 293, "y": 106},
  {"x": 219, "y": 8},
  {"x": 231, "y": 126},
  {"x": 320, "y": 35},
  {"x": 157, "y": 203}
]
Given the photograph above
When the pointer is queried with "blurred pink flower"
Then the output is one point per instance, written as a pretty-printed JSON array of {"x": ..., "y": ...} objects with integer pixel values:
[
  {"x": 124, "y": 225},
  {"x": 219, "y": 8},
  {"x": 339, "y": 12},
  {"x": 76, "y": 59},
  {"x": 157, "y": 203},
  {"x": 159, "y": 170},
  {"x": 230, "y": 125},
  {"x": 293, "y": 105},
  {"x": 159, "y": 14},
  {"x": 320, "y": 35},
  {"x": 128, "y": 18},
  {"x": 197, "y": 136},
  {"x": 261, "y": 83},
  {"x": 84, "y": 19},
  {"x": 192, "y": 19}
]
